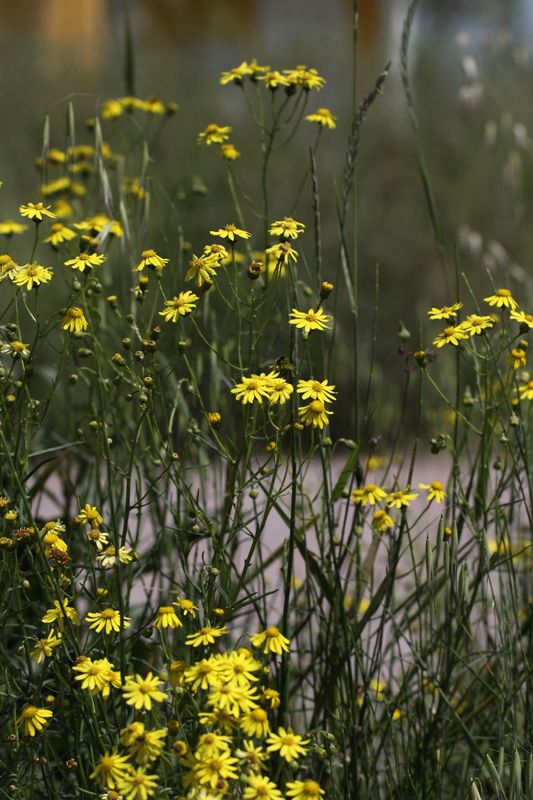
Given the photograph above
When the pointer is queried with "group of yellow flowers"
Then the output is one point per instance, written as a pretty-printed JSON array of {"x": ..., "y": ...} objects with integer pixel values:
[
  {"x": 371, "y": 494},
  {"x": 477, "y": 324},
  {"x": 228, "y": 741}
]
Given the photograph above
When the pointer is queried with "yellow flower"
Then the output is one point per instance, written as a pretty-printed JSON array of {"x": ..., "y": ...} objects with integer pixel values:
[
  {"x": 324, "y": 117},
  {"x": 370, "y": 493},
  {"x": 280, "y": 390},
  {"x": 306, "y": 77},
  {"x": 166, "y": 617},
  {"x": 236, "y": 74},
  {"x": 501, "y": 298},
  {"x": 205, "y": 636},
  {"x": 144, "y": 746},
  {"x": 229, "y": 152},
  {"x": 282, "y": 253},
  {"x": 259, "y": 787},
  {"x": 59, "y": 233},
  {"x": 255, "y": 723},
  {"x": 310, "y": 321},
  {"x": 232, "y": 700},
  {"x": 108, "y": 621},
  {"x": 7, "y": 266},
  {"x": 526, "y": 391},
  {"x": 315, "y": 414},
  {"x": 186, "y": 606},
  {"x": 256, "y": 387},
  {"x": 289, "y": 744},
  {"x": 272, "y": 697},
  {"x": 74, "y": 320},
  {"x": 522, "y": 318},
  {"x": 435, "y": 491},
  {"x": 110, "y": 556},
  {"x": 110, "y": 769},
  {"x": 316, "y": 390},
  {"x": 214, "y": 134},
  {"x": 400, "y": 498},
  {"x": 517, "y": 358},
  {"x": 203, "y": 268},
  {"x": 446, "y": 312},
  {"x": 202, "y": 674},
  {"x": 149, "y": 258},
  {"x": 34, "y": 719},
  {"x": 230, "y": 231},
  {"x": 31, "y": 275},
  {"x": 36, "y": 211},
  {"x": 450, "y": 335},
  {"x": 96, "y": 676},
  {"x": 218, "y": 767},
  {"x": 10, "y": 228},
  {"x": 139, "y": 692},
  {"x": 85, "y": 261},
  {"x": 381, "y": 521},
  {"x": 183, "y": 304},
  {"x": 286, "y": 228},
  {"x": 304, "y": 790},
  {"x": 89, "y": 514},
  {"x": 251, "y": 756},
  {"x": 273, "y": 79},
  {"x": 476, "y": 324},
  {"x": 16, "y": 349},
  {"x": 59, "y": 612},
  {"x": 272, "y": 639},
  {"x": 137, "y": 785},
  {"x": 44, "y": 647}
]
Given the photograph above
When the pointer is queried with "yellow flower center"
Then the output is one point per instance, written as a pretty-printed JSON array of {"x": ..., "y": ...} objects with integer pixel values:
[
  {"x": 30, "y": 712},
  {"x": 312, "y": 788},
  {"x": 108, "y": 613},
  {"x": 317, "y": 406},
  {"x": 258, "y": 715},
  {"x": 437, "y": 485},
  {"x": 75, "y": 313},
  {"x": 503, "y": 293},
  {"x": 148, "y": 253},
  {"x": 166, "y": 610},
  {"x": 272, "y": 632}
]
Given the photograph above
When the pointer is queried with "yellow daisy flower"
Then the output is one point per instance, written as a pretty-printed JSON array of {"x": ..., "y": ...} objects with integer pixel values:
[
  {"x": 310, "y": 321},
  {"x": 36, "y": 211},
  {"x": 450, "y": 335},
  {"x": 259, "y": 787},
  {"x": 435, "y": 491},
  {"x": 475, "y": 324},
  {"x": 289, "y": 744},
  {"x": 282, "y": 253},
  {"x": 205, "y": 636},
  {"x": 502, "y": 298},
  {"x": 74, "y": 320},
  {"x": 315, "y": 414},
  {"x": 59, "y": 233},
  {"x": 44, "y": 647},
  {"x": 31, "y": 275},
  {"x": 166, "y": 617},
  {"x": 446, "y": 312},
  {"x": 255, "y": 723},
  {"x": 317, "y": 390},
  {"x": 324, "y": 117},
  {"x": 306, "y": 77},
  {"x": 214, "y": 134},
  {"x": 10, "y": 228},
  {"x": 34, "y": 719},
  {"x": 110, "y": 769},
  {"x": 399, "y": 499},
  {"x": 86, "y": 261},
  {"x": 149, "y": 258},
  {"x": 304, "y": 790},
  {"x": 381, "y": 521},
  {"x": 108, "y": 621},
  {"x": 252, "y": 388},
  {"x": 181, "y": 305},
  {"x": 59, "y": 612},
  {"x": 522, "y": 318},
  {"x": 229, "y": 151},
  {"x": 230, "y": 232},
  {"x": 272, "y": 639},
  {"x": 370, "y": 493},
  {"x": 202, "y": 268},
  {"x": 286, "y": 228},
  {"x": 139, "y": 692}
]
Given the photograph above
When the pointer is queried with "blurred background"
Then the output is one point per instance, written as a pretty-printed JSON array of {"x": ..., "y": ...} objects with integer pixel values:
[{"x": 471, "y": 69}]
